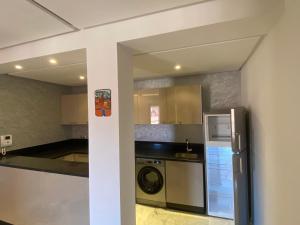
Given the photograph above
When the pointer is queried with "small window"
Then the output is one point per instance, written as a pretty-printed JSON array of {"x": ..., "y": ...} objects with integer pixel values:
[{"x": 154, "y": 112}]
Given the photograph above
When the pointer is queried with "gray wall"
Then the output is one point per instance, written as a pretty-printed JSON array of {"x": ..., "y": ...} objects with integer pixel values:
[
  {"x": 219, "y": 91},
  {"x": 30, "y": 111}
]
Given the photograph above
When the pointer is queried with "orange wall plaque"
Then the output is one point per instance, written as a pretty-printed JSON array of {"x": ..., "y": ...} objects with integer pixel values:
[{"x": 103, "y": 102}]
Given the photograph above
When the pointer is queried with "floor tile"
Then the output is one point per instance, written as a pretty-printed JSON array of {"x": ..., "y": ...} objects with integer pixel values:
[{"x": 146, "y": 215}]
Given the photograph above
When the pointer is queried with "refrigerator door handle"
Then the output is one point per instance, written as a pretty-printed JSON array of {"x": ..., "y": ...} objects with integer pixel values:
[
  {"x": 241, "y": 166},
  {"x": 239, "y": 141}
]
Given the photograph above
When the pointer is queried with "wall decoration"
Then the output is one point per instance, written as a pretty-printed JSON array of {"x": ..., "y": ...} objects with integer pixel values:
[{"x": 103, "y": 102}]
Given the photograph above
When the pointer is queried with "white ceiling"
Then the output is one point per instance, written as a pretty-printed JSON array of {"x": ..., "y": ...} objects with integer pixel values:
[
  {"x": 199, "y": 59},
  {"x": 70, "y": 65},
  {"x": 22, "y": 21},
  {"x": 202, "y": 59},
  {"x": 94, "y": 12}
]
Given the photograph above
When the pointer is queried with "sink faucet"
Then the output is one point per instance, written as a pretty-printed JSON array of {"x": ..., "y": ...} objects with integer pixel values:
[{"x": 187, "y": 146}]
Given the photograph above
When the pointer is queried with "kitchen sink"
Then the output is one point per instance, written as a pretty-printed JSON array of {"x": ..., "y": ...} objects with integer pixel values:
[
  {"x": 185, "y": 155},
  {"x": 75, "y": 157}
]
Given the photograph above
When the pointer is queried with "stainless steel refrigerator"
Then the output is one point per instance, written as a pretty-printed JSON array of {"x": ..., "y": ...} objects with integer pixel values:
[{"x": 226, "y": 165}]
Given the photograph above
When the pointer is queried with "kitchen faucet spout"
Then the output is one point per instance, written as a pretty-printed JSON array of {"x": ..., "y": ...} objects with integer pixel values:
[{"x": 188, "y": 149}]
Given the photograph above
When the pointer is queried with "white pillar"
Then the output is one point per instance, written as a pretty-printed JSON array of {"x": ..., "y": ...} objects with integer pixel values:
[
  {"x": 126, "y": 136},
  {"x": 111, "y": 148}
]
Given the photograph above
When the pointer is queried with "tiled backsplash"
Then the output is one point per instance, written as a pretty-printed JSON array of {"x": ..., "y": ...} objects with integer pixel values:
[{"x": 79, "y": 131}]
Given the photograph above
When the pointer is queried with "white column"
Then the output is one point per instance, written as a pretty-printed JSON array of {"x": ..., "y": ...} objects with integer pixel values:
[
  {"x": 111, "y": 143},
  {"x": 126, "y": 136}
]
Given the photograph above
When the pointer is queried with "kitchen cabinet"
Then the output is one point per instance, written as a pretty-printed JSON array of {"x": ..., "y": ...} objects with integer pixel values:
[
  {"x": 173, "y": 105},
  {"x": 188, "y": 104},
  {"x": 136, "y": 107},
  {"x": 185, "y": 185},
  {"x": 74, "y": 109},
  {"x": 150, "y": 106}
]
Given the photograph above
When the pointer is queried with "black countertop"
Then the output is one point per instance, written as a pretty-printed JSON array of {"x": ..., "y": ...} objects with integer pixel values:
[
  {"x": 4, "y": 223},
  {"x": 167, "y": 151},
  {"x": 43, "y": 158},
  {"x": 46, "y": 165}
]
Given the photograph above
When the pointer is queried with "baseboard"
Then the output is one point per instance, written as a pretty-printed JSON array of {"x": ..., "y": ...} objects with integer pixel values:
[{"x": 187, "y": 208}]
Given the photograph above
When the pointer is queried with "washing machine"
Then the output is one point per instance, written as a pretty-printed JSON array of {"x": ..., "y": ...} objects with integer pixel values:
[{"x": 150, "y": 182}]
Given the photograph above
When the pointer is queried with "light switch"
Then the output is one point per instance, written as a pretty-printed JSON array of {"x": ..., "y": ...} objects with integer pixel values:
[{"x": 6, "y": 140}]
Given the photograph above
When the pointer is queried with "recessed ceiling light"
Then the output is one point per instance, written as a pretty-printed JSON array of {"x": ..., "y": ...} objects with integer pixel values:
[
  {"x": 18, "y": 67},
  {"x": 53, "y": 61},
  {"x": 81, "y": 77},
  {"x": 177, "y": 67}
]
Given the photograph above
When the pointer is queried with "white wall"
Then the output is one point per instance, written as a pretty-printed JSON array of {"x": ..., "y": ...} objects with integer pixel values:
[
  {"x": 270, "y": 89},
  {"x": 107, "y": 136},
  {"x": 38, "y": 198}
]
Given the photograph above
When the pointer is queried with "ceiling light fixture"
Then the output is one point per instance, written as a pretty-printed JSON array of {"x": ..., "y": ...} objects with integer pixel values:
[
  {"x": 53, "y": 61},
  {"x": 18, "y": 67},
  {"x": 81, "y": 77},
  {"x": 177, "y": 67}
]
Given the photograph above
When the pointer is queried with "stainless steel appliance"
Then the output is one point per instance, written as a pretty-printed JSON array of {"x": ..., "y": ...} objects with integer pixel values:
[
  {"x": 226, "y": 165},
  {"x": 150, "y": 182}
]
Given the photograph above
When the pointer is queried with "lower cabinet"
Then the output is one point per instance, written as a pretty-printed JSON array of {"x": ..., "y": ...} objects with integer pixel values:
[{"x": 185, "y": 186}]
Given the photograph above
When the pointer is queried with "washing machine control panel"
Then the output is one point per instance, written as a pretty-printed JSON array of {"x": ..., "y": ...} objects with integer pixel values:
[{"x": 153, "y": 162}]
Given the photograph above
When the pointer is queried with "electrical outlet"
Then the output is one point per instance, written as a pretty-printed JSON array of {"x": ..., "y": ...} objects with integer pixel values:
[{"x": 5, "y": 140}]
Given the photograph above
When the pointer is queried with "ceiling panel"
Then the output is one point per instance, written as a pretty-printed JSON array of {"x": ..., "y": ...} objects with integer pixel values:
[
  {"x": 22, "y": 21},
  {"x": 203, "y": 59},
  {"x": 64, "y": 75},
  {"x": 70, "y": 65},
  {"x": 94, "y": 12}
]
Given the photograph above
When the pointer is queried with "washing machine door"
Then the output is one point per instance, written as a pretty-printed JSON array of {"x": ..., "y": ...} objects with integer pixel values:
[{"x": 150, "y": 180}]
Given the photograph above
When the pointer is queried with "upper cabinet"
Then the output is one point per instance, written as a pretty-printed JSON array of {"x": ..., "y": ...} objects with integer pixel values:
[
  {"x": 74, "y": 109},
  {"x": 174, "y": 105},
  {"x": 188, "y": 104},
  {"x": 149, "y": 106}
]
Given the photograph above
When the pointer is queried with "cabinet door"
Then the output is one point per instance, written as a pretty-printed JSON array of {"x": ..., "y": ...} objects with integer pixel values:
[
  {"x": 171, "y": 106},
  {"x": 82, "y": 107},
  {"x": 188, "y": 104},
  {"x": 74, "y": 109},
  {"x": 151, "y": 106},
  {"x": 184, "y": 183},
  {"x": 136, "y": 107},
  {"x": 174, "y": 105}
]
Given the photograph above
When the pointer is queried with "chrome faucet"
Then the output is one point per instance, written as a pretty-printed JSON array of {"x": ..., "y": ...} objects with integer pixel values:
[{"x": 188, "y": 149}]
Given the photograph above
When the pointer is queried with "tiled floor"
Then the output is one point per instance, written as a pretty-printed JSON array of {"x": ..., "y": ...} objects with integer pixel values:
[{"x": 155, "y": 216}]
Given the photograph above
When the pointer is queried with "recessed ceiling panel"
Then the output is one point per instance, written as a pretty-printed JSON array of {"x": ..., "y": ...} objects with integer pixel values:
[
  {"x": 66, "y": 70},
  {"x": 64, "y": 75},
  {"x": 94, "y": 12},
  {"x": 203, "y": 59},
  {"x": 22, "y": 21}
]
